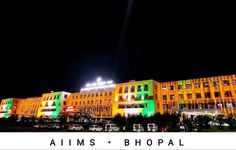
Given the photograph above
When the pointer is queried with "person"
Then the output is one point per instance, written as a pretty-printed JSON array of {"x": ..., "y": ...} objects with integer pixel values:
[{"x": 123, "y": 128}]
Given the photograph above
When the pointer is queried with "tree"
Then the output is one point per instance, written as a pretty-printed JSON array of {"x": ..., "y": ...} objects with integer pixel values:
[
  {"x": 231, "y": 121},
  {"x": 119, "y": 120}
]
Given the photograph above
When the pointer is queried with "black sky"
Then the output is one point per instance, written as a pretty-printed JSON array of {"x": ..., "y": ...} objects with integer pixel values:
[{"x": 61, "y": 47}]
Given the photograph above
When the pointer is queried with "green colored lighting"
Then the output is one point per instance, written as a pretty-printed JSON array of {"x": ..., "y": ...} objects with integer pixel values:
[{"x": 8, "y": 107}]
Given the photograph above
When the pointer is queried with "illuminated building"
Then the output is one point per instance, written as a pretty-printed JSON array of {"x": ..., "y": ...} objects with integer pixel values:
[
  {"x": 135, "y": 98},
  {"x": 9, "y": 107},
  {"x": 95, "y": 99},
  {"x": 104, "y": 99},
  {"x": 213, "y": 95},
  {"x": 52, "y": 104},
  {"x": 29, "y": 107}
]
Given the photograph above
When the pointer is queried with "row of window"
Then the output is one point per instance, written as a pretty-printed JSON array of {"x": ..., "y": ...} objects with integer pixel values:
[
  {"x": 48, "y": 109},
  {"x": 198, "y": 85},
  {"x": 89, "y": 109},
  {"x": 210, "y": 105},
  {"x": 124, "y": 106},
  {"x": 91, "y": 102},
  {"x": 132, "y": 89},
  {"x": 132, "y": 97},
  {"x": 91, "y": 95},
  {"x": 199, "y": 95},
  {"x": 53, "y": 97}
]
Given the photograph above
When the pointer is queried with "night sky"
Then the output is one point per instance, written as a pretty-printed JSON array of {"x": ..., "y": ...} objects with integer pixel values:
[{"x": 61, "y": 47}]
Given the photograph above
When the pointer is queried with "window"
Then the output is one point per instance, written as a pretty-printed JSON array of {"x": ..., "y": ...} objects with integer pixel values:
[
  {"x": 226, "y": 82},
  {"x": 96, "y": 94},
  {"x": 228, "y": 94},
  {"x": 126, "y": 97},
  {"x": 206, "y": 84},
  {"x": 181, "y": 96},
  {"x": 198, "y": 95},
  {"x": 189, "y": 96},
  {"x": 164, "y": 87},
  {"x": 120, "y": 98},
  {"x": 197, "y": 85},
  {"x": 145, "y": 96},
  {"x": 105, "y": 93},
  {"x": 235, "y": 82},
  {"x": 109, "y": 101},
  {"x": 92, "y": 95},
  {"x": 87, "y": 102},
  {"x": 229, "y": 105},
  {"x": 54, "y": 97},
  {"x": 110, "y": 93},
  {"x": 188, "y": 86},
  {"x": 180, "y": 87},
  {"x": 217, "y": 94},
  {"x": 216, "y": 84},
  {"x": 139, "y": 88},
  {"x": 126, "y": 89},
  {"x": 207, "y": 95},
  {"x": 101, "y": 93},
  {"x": 92, "y": 102},
  {"x": 155, "y": 87},
  {"x": 84, "y": 95},
  {"x": 172, "y": 97},
  {"x": 171, "y": 87},
  {"x": 81, "y": 96},
  {"x": 64, "y": 103},
  {"x": 132, "y": 89},
  {"x": 164, "y": 97},
  {"x": 65, "y": 96},
  {"x": 120, "y": 90},
  {"x": 88, "y": 95},
  {"x": 155, "y": 96},
  {"x": 145, "y": 87},
  {"x": 132, "y": 97}
]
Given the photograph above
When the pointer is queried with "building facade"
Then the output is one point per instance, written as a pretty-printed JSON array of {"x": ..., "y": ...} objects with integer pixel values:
[
  {"x": 97, "y": 103},
  {"x": 213, "y": 95},
  {"x": 9, "y": 106},
  {"x": 29, "y": 107},
  {"x": 52, "y": 104},
  {"x": 104, "y": 99},
  {"x": 135, "y": 98}
]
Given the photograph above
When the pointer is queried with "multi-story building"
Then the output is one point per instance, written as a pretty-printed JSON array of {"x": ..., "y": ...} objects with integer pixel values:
[
  {"x": 9, "y": 107},
  {"x": 96, "y": 99},
  {"x": 52, "y": 104},
  {"x": 29, "y": 107},
  {"x": 104, "y": 99},
  {"x": 213, "y": 95},
  {"x": 135, "y": 97}
]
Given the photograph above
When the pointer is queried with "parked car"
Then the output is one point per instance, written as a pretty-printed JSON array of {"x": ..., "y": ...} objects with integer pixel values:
[
  {"x": 182, "y": 128},
  {"x": 194, "y": 129},
  {"x": 75, "y": 127},
  {"x": 213, "y": 123},
  {"x": 95, "y": 128},
  {"x": 55, "y": 126},
  {"x": 152, "y": 127},
  {"x": 225, "y": 124},
  {"x": 111, "y": 127},
  {"x": 138, "y": 128},
  {"x": 41, "y": 126}
]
